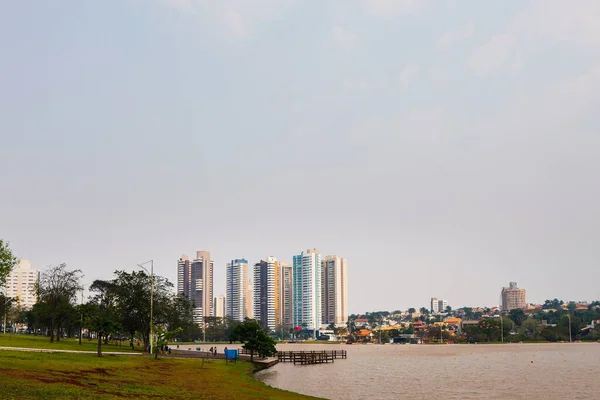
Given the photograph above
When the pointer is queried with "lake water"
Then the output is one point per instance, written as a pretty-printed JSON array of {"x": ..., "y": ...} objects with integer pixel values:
[{"x": 475, "y": 371}]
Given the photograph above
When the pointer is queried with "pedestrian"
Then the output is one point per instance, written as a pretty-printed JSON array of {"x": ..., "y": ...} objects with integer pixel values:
[{"x": 211, "y": 351}]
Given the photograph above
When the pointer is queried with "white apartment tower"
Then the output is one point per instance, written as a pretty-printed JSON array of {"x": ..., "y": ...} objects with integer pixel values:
[
  {"x": 20, "y": 284},
  {"x": 438, "y": 305},
  {"x": 220, "y": 302},
  {"x": 266, "y": 293},
  {"x": 435, "y": 307},
  {"x": 184, "y": 276},
  {"x": 334, "y": 294},
  {"x": 195, "y": 281},
  {"x": 307, "y": 289},
  {"x": 236, "y": 289}
]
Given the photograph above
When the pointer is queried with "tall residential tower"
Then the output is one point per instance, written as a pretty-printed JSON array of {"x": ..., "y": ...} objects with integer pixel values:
[
  {"x": 334, "y": 298},
  {"x": 286, "y": 297},
  {"x": 195, "y": 281},
  {"x": 266, "y": 293},
  {"x": 513, "y": 297},
  {"x": 20, "y": 284},
  {"x": 307, "y": 289},
  {"x": 236, "y": 289}
]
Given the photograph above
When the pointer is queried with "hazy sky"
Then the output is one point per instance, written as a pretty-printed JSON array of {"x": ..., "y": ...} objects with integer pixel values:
[{"x": 444, "y": 148}]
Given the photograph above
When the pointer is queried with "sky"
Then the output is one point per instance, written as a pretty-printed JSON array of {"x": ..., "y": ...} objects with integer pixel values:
[{"x": 444, "y": 148}]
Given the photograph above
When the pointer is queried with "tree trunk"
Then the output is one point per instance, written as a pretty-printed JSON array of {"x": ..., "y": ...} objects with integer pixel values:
[
  {"x": 52, "y": 330},
  {"x": 251, "y": 355},
  {"x": 99, "y": 345}
]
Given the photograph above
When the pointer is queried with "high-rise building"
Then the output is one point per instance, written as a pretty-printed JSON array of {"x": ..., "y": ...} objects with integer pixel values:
[
  {"x": 249, "y": 300},
  {"x": 20, "y": 284},
  {"x": 442, "y": 305},
  {"x": 513, "y": 297},
  {"x": 201, "y": 286},
  {"x": 334, "y": 294},
  {"x": 220, "y": 302},
  {"x": 184, "y": 276},
  {"x": 435, "y": 305},
  {"x": 307, "y": 289},
  {"x": 266, "y": 293},
  {"x": 438, "y": 305},
  {"x": 237, "y": 287},
  {"x": 286, "y": 298}
]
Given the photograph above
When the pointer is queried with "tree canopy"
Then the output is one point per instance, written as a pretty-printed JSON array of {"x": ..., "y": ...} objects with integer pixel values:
[
  {"x": 56, "y": 289},
  {"x": 254, "y": 338},
  {"x": 7, "y": 261}
]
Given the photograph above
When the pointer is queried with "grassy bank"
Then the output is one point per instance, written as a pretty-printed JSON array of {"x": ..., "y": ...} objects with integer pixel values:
[
  {"x": 42, "y": 342},
  {"x": 81, "y": 376}
]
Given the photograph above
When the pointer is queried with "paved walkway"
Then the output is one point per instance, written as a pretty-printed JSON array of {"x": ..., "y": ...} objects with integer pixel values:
[
  {"x": 108, "y": 353},
  {"x": 176, "y": 354}
]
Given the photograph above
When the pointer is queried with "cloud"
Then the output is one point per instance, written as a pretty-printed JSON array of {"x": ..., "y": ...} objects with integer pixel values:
[
  {"x": 408, "y": 74},
  {"x": 454, "y": 36},
  {"x": 238, "y": 17},
  {"x": 495, "y": 57},
  {"x": 539, "y": 26},
  {"x": 393, "y": 8},
  {"x": 343, "y": 37},
  {"x": 182, "y": 5}
]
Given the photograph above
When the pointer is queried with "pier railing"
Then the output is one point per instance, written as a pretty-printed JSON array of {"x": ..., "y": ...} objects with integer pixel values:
[{"x": 311, "y": 357}]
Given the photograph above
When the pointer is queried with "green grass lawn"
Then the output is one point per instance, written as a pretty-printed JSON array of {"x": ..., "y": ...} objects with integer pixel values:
[
  {"x": 42, "y": 342},
  {"x": 25, "y": 375}
]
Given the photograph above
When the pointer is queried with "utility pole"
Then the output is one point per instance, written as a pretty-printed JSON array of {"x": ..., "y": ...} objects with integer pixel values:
[
  {"x": 151, "y": 297},
  {"x": 151, "y": 303},
  {"x": 570, "y": 338},
  {"x": 5, "y": 307},
  {"x": 81, "y": 318}
]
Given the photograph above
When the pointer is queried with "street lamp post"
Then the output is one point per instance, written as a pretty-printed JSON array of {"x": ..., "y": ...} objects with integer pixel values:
[
  {"x": 5, "y": 307},
  {"x": 501, "y": 329},
  {"x": 81, "y": 317},
  {"x": 570, "y": 338},
  {"x": 151, "y": 297}
]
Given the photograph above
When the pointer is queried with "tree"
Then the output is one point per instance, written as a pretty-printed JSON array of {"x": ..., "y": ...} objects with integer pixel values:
[
  {"x": 6, "y": 305},
  {"x": 554, "y": 304},
  {"x": 254, "y": 338},
  {"x": 468, "y": 312},
  {"x": 182, "y": 316},
  {"x": 163, "y": 337},
  {"x": 411, "y": 310},
  {"x": 7, "y": 261},
  {"x": 530, "y": 327},
  {"x": 102, "y": 315},
  {"x": 449, "y": 309},
  {"x": 133, "y": 302},
  {"x": 424, "y": 311},
  {"x": 518, "y": 316},
  {"x": 56, "y": 289}
]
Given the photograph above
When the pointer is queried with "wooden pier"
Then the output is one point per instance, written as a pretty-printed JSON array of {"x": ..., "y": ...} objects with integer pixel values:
[{"x": 311, "y": 357}]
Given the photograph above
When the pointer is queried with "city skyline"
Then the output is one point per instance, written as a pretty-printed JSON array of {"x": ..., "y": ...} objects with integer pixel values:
[{"x": 468, "y": 153}]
